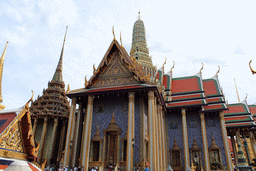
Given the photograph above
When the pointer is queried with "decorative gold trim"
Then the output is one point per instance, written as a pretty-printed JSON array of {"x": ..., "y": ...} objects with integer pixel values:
[{"x": 253, "y": 71}]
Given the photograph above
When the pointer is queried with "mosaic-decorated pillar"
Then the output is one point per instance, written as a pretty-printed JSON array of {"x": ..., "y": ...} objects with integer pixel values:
[
  {"x": 69, "y": 131},
  {"x": 185, "y": 139},
  {"x": 253, "y": 143},
  {"x": 151, "y": 139},
  {"x": 205, "y": 143},
  {"x": 76, "y": 134},
  {"x": 245, "y": 144},
  {"x": 234, "y": 148},
  {"x": 156, "y": 136},
  {"x": 225, "y": 141},
  {"x": 87, "y": 138},
  {"x": 40, "y": 151},
  {"x": 160, "y": 146},
  {"x": 35, "y": 125},
  {"x": 52, "y": 143},
  {"x": 130, "y": 138},
  {"x": 62, "y": 139}
]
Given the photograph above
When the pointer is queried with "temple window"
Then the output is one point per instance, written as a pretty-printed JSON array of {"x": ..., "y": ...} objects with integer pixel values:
[
  {"x": 96, "y": 150},
  {"x": 176, "y": 157},
  {"x": 215, "y": 156},
  {"x": 192, "y": 124},
  {"x": 195, "y": 154},
  {"x": 210, "y": 123},
  {"x": 124, "y": 150},
  {"x": 174, "y": 125},
  {"x": 100, "y": 109}
]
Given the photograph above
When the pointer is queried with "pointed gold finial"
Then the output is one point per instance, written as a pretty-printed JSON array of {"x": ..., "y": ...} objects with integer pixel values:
[
  {"x": 237, "y": 91},
  {"x": 121, "y": 39},
  {"x": 218, "y": 70},
  {"x": 31, "y": 99},
  {"x": 113, "y": 33},
  {"x": 253, "y": 71},
  {"x": 202, "y": 68},
  {"x": 1, "y": 74},
  {"x": 172, "y": 66},
  {"x": 68, "y": 89},
  {"x": 139, "y": 15}
]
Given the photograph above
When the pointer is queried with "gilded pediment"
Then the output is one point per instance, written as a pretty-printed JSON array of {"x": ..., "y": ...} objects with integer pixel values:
[
  {"x": 116, "y": 73},
  {"x": 13, "y": 141}
]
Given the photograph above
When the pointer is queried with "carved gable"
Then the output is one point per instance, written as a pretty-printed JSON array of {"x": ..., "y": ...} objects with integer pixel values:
[
  {"x": 115, "y": 74},
  {"x": 13, "y": 141}
]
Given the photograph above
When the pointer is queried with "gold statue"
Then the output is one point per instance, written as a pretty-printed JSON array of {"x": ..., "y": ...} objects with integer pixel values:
[{"x": 253, "y": 71}]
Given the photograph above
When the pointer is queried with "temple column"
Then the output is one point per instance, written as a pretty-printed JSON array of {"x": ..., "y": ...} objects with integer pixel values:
[
  {"x": 104, "y": 151},
  {"x": 151, "y": 123},
  {"x": 234, "y": 148},
  {"x": 130, "y": 138},
  {"x": 155, "y": 136},
  {"x": 225, "y": 141},
  {"x": 35, "y": 125},
  {"x": 205, "y": 143},
  {"x": 76, "y": 134},
  {"x": 52, "y": 143},
  {"x": 69, "y": 132},
  {"x": 87, "y": 138},
  {"x": 163, "y": 140},
  {"x": 185, "y": 139},
  {"x": 160, "y": 147},
  {"x": 62, "y": 139},
  {"x": 252, "y": 140},
  {"x": 142, "y": 134},
  {"x": 118, "y": 149},
  {"x": 42, "y": 140}
]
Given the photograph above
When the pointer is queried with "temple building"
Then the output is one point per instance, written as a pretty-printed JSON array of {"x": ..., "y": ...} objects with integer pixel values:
[
  {"x": 16, "y": 138},
  {"x": 132, "y": 114},
  {"x": 49, "y": 114}
]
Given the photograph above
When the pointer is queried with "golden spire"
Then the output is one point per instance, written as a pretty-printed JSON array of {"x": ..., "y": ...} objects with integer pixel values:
[
  {"x": 237, "y": 91},
  {"x": 139, "y": 15},
  {"x": 1, "y": 75}
]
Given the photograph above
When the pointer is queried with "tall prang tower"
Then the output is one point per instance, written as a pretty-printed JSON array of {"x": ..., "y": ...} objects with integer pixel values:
[
  {"x": 139, "y": 49},
  {"x": 50, "y": 114}
]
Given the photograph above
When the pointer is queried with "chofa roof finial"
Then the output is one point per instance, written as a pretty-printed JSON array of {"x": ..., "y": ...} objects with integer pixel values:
[
  {"x": 202, "y": 68},
  {"x": 253, "y": 71},
  {"x": 113, "y": 33}
]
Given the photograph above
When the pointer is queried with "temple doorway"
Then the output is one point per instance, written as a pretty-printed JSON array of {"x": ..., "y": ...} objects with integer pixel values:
[{"x": 111, "y": 148}]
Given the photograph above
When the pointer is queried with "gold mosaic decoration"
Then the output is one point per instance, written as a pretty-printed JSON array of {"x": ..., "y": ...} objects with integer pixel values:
[{"x": 13, "y": 140}]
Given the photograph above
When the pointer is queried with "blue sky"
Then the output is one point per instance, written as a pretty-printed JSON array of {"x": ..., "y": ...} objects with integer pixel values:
[{"x": 189, "y": 32}]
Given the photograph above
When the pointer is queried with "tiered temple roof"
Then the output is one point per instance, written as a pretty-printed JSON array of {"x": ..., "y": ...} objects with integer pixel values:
[
  {"x": 192, "y": 91},
  {"x": 53, "y": 102},
  {"x": 239, "y": 115}
]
